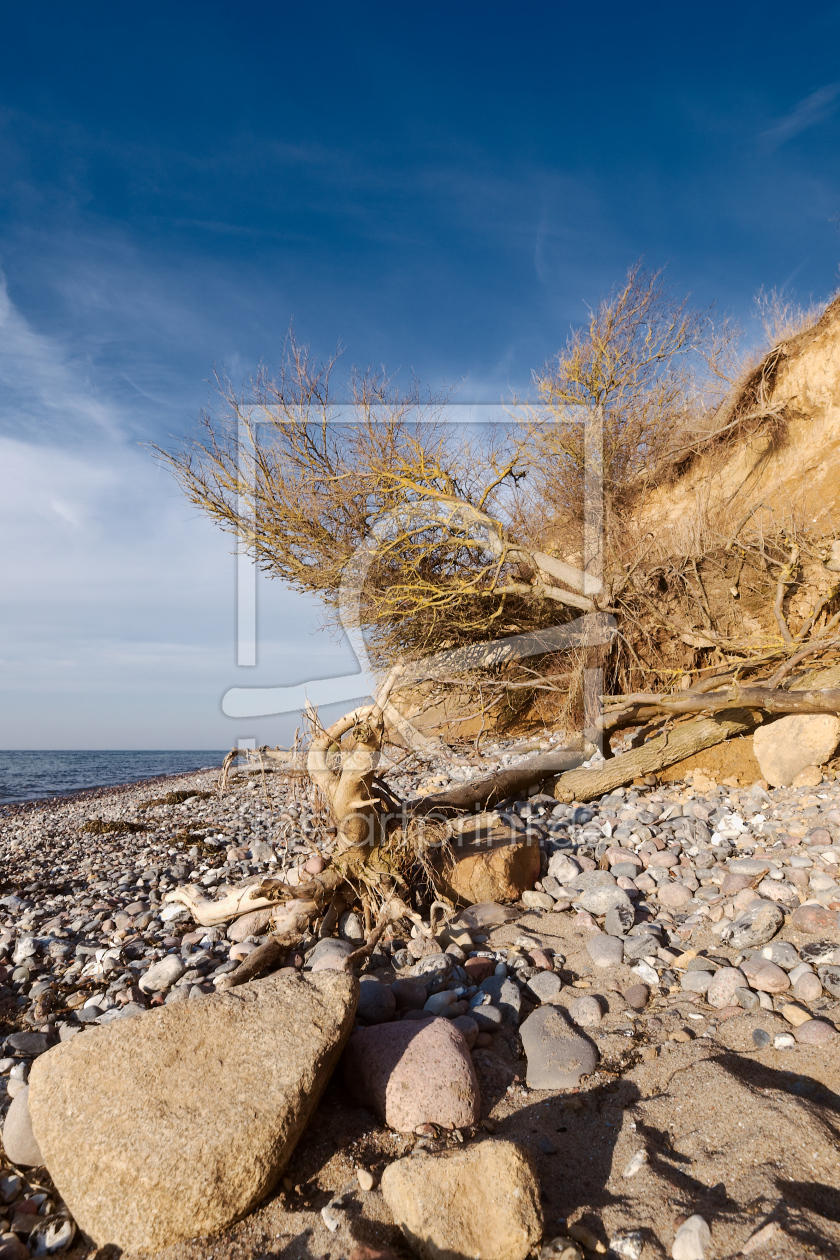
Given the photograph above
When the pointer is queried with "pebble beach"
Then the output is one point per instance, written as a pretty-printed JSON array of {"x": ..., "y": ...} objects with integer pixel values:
[{"x": 654, "y": 1021}]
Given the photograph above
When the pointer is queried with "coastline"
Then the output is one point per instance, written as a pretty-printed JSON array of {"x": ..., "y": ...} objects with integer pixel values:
[{"x": 13, "y": 809}]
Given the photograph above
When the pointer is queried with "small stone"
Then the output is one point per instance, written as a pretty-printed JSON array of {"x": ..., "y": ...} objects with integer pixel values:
[
  {"x": 505, "y": 994},
  {"x": 604, "y": 898},
  {"x": 533, "y": 900},
  {"x": 619, "y": 918},
  {"x": 746, "y": 998},
  {"x": 19, "y": 1141},
  {"x": 314, "y": 865},
  {"x": 721, "y": 991},
  {"x": 557, "y": 1056},
  {"x": 435, "y": 970},
  {"x": 563, "y": 868},
  {"x": 811, "y": 776},
  {"x": 482, "y": 1200},
  {"x": 696, "y": 981},
  {"x": 376, "y": 1001},
  {"x": 761, "y": 1238},
  {"x": 13, "y": 1248},
  {"x": 693, "y": 1240},
  {"x": 636, "y": 1164},
  {"x": 733, "y": 883},
  {"x": 545, "y": 986},
  {"x": 479, "y": 969},
  {"x": 605, "y": 951},
  {"x": 636, "y": 996},
  {"x": 586, "y": 1012},
  {"x": 807, "y": 988},
  {"x": 764, "y": 976},
  {"x": 755, "y": 926},
  {"x": 365, "y": 1178},
  {"x": 487, "y": 1016},
  {"x": 662, "y": 860},
  {"x": 52, "y": 1234},
  {"x": 760, "y": 1038},
  {"x": 468, "y": 1028},
  {"x": 628, "y": 1244},
  {"x": 410, "y": 994},
  {"x": 781, "y": 953},
  {"x": 328, "y": 955},
  {"x": 783, "y": 1041},
  {"x": 830, "y": 979},
  {"x": 29, "y": 1044},
  {"x": 438, "y": 1003},
  {"x": 794, "y": 1014},
  {"x": 812, "y": 919},
  {"x": 162, "y": 975},
  {"x": 10, "y": 1187},
  {"x": 815, "y": 1032},
  {"x": 646, "y": 974},
  {"x": 749, "y": 867},
  {"x": 351, "y": 928},
  {"x": 821, "y": 953},
  {"x": 675, "y": 896}
]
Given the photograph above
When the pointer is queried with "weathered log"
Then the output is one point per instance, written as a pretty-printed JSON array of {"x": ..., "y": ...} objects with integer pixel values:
[
  {"x": 487, "y": 792},
  {"x": 664, "y": 750},
  {"x": 267, "y": 892},
  {"x": 236, "y": 901},
  {"x": 642, "y": 707}
]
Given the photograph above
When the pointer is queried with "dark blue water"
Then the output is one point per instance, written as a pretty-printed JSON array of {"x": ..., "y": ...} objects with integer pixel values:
[{"x": 27, "y": 776}]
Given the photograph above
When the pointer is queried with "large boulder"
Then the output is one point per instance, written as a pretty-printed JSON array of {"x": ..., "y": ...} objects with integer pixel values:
[
  {"x": 489, "y": 861},
  {"x": 413, "y": 1072},
  {"x": 785, "y": 747},
  {"x": 176, "y": 1123},
  {"x": 481, "y": 1201}
]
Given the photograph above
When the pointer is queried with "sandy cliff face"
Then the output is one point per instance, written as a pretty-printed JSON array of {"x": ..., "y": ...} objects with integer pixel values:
[{"x": 790, "y": 462}]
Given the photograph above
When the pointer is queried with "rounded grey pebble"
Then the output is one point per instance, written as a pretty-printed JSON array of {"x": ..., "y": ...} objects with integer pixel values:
[
  {"x": 586, "y": 1012},
  {"x": 557, "y": 1055},
  {"x": 545, "y": 986},
  {"x": 377, "y": 1002},
  {"x": 18, "y": 1139},
  {"x": 605, "y": 951},
  {"x": 488, "y": 1018},
  {"x": 410, "y": 994},
  {"x": 468, "y": 1028},
  {"x": 328, "y": 955}
]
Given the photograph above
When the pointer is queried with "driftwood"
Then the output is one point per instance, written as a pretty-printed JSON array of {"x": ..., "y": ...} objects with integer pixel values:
[
  {"x": 664, "y": 750},
  {"x": 260, "y": 896},
  {"x": 487, "y": 792},
  {"x": 641, "y": 707}
]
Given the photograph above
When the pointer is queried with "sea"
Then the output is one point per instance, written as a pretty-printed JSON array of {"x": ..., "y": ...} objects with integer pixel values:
[{"x": 32, "y": 776}]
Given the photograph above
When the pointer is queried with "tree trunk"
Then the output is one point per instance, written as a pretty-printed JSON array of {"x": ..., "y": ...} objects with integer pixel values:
[
  {"x": 664, "y": 750},
  {"x": 485, "y": 793}
]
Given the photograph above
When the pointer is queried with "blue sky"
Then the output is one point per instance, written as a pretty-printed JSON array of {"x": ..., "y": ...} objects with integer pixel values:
[{"x": 441, "y": 188}]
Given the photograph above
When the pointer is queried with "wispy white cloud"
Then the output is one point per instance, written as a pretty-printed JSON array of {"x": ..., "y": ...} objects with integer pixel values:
[
  {"x": 41, "y": 394},
  {"x": 807, "y": 113}
]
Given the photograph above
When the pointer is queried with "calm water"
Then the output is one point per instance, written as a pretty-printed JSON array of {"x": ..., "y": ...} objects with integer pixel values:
[{"x": 26, "y": 776}]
